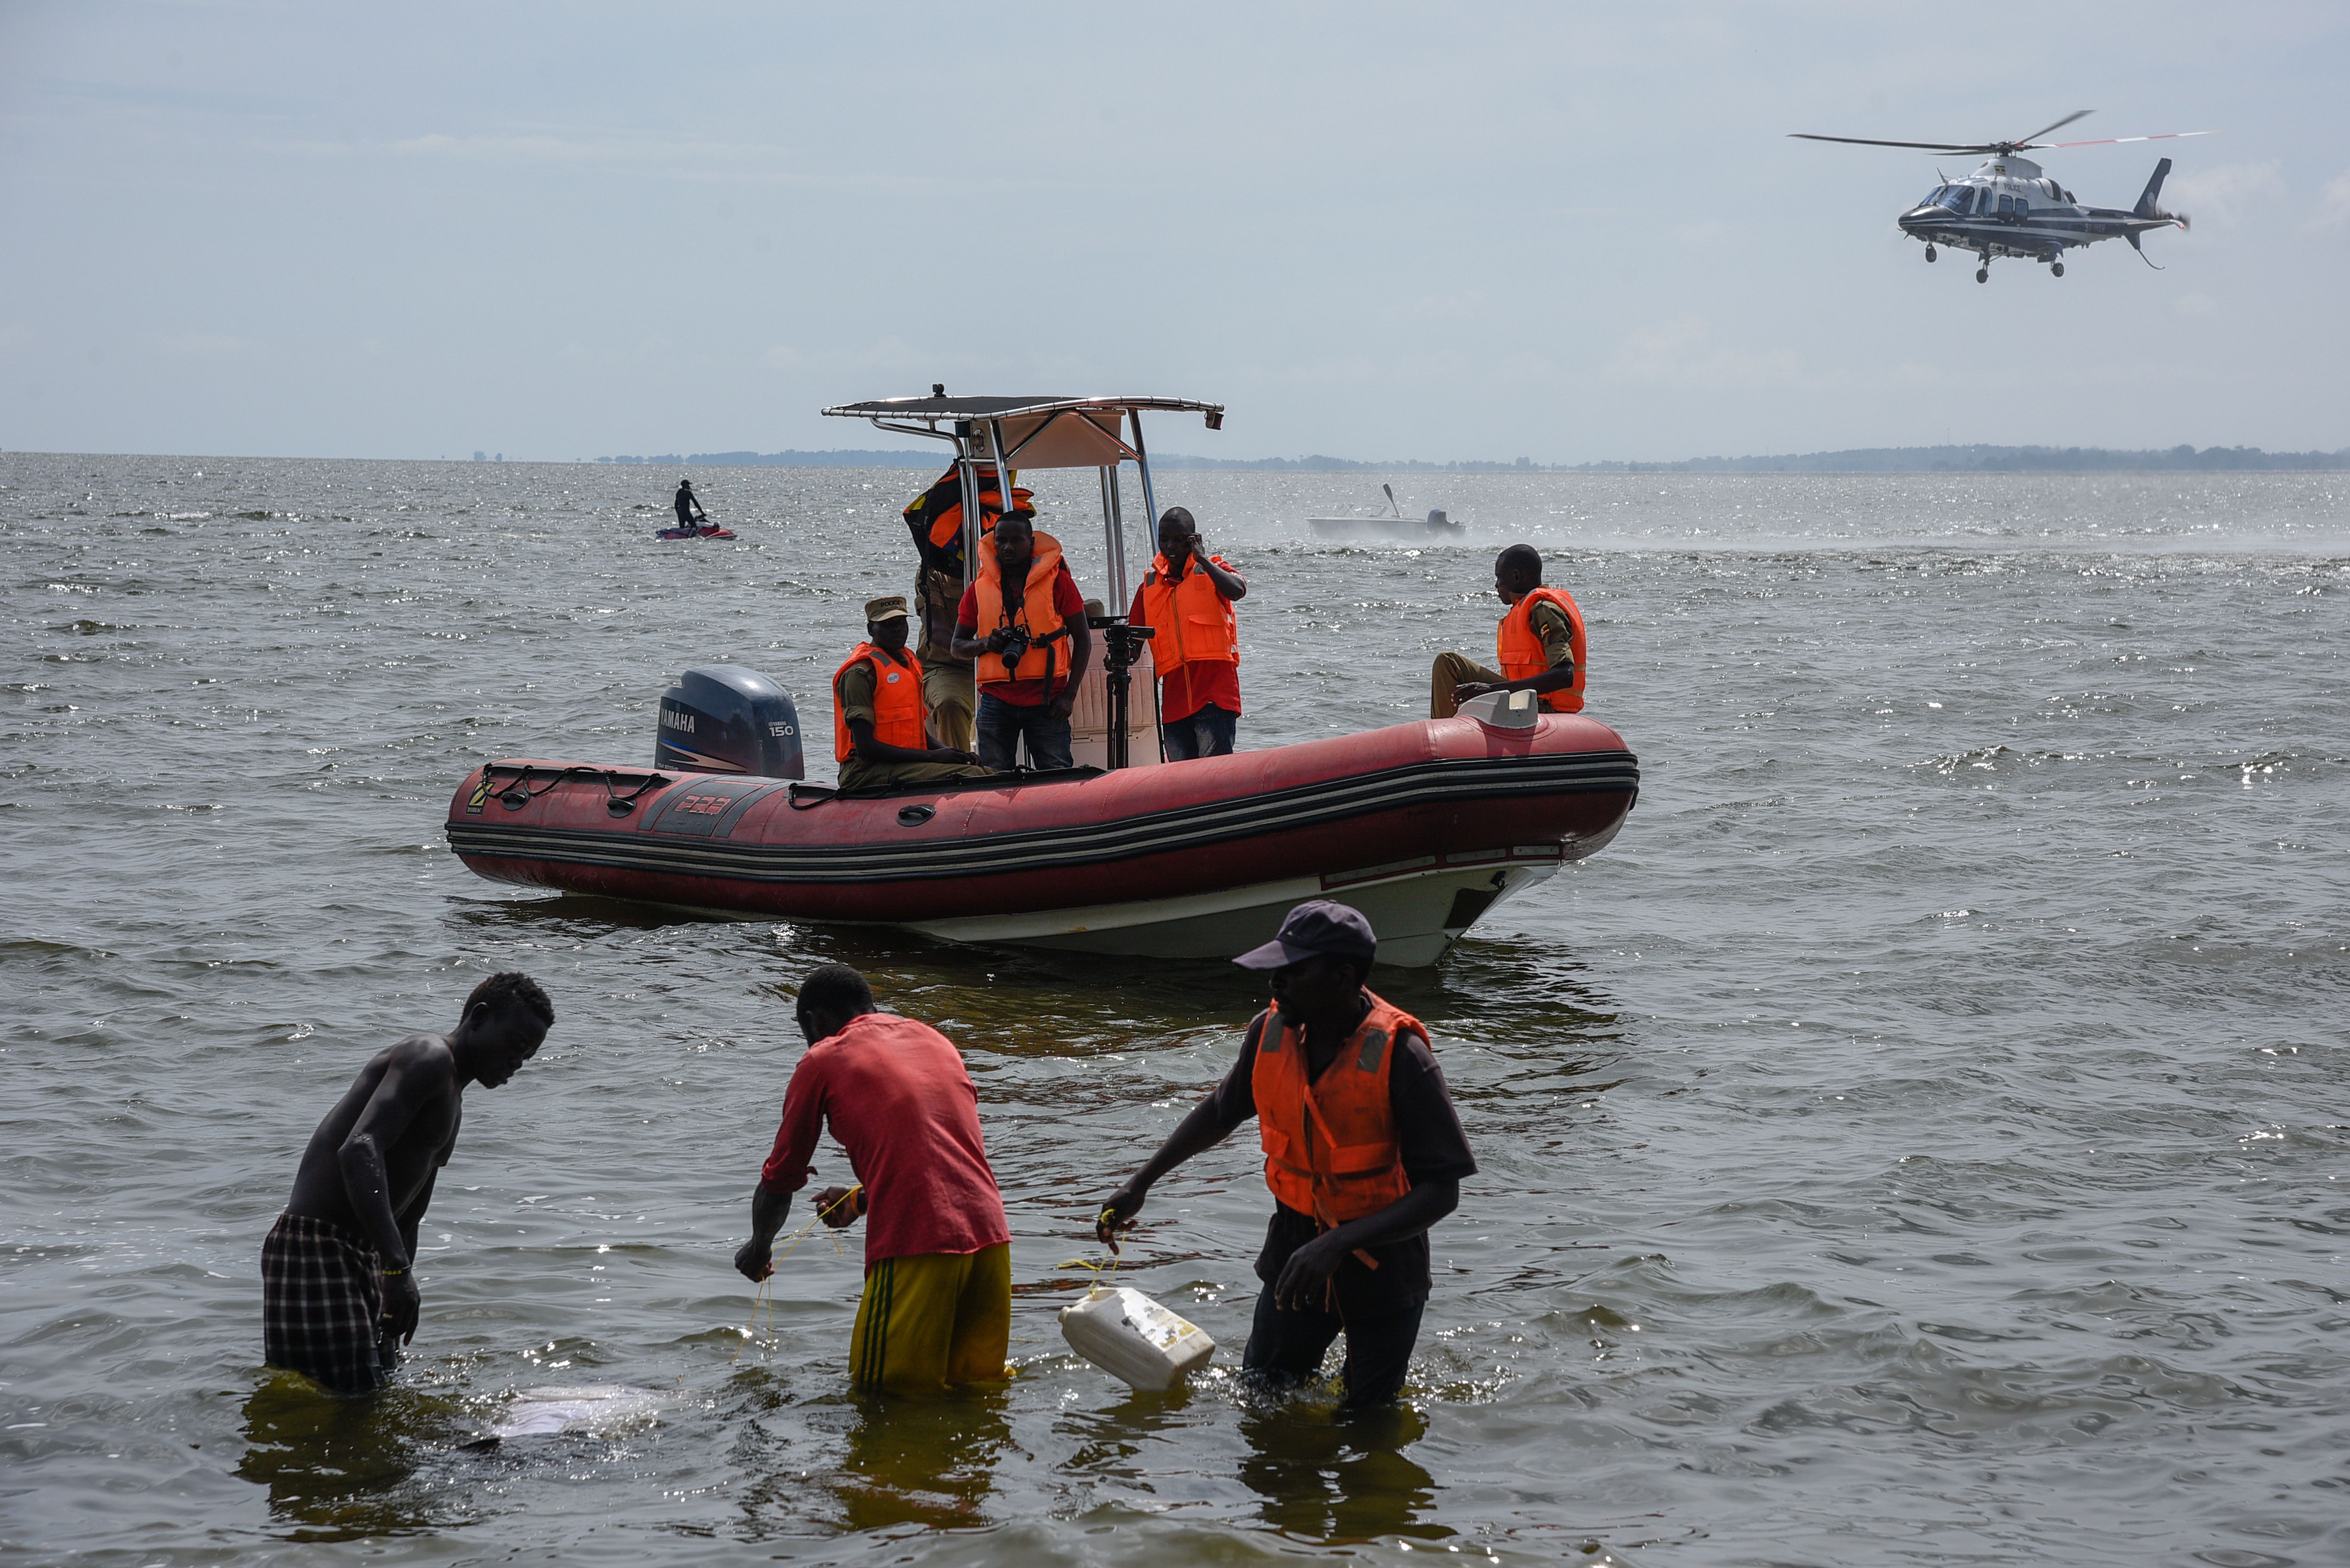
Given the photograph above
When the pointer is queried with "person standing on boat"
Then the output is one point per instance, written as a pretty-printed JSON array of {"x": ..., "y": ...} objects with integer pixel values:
[
  {"x": 877, "y": 712},
  {"x": 1030, "y": 644},
  {"x": 689, "y": 505},
  {"x": 937, "y": 1308},
  {"x": 935, "y": 520},
  {"x": 1363, "y": 1151},
  {"x": 1540, "y": 644},
  {"x": 338, "y": 1291},
  {"x": 1186, "y": 598}
]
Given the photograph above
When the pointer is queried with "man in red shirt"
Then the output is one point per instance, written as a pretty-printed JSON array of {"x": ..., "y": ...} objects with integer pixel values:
[
  {"x": 937, "y": 1308},
  {"x": 1186, "y": 599},
  {"x": 1034, "y": 649}
]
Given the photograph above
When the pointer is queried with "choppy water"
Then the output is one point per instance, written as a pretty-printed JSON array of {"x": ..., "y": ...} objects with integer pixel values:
[{"x": 1919, "y": 1138}]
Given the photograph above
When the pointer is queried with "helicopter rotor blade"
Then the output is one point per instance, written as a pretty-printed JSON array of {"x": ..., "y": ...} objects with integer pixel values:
[
  {"x": 2114, "y": 140},
  {"x": 1921, "y": 146},
  {"x": 2022, "y": 141}
]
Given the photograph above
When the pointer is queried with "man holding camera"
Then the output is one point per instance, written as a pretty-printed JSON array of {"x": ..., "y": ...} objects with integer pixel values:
[{"x": 1034, "y": 649}]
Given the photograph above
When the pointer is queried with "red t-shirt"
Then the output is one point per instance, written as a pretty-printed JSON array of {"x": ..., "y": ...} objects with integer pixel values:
[
  {"x": 1186, "y": 689},
  {"x": 897, "y": 1098},
  {"x": 1029, "y": 693}
]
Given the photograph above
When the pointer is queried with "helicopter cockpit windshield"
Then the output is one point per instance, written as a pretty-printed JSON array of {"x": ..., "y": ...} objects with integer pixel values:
[{"x": 1957, "y": 198}]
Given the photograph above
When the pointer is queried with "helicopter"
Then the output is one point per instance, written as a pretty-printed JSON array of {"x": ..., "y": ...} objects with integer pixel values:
[{"x": 2008, "y": 207}]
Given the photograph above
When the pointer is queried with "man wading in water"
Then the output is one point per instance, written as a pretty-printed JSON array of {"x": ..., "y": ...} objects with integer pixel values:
[
  {"x": 1363, "y": 1153},
  {"x": 937, "y": 1309},
  {"x": 338, "y": 1293}
]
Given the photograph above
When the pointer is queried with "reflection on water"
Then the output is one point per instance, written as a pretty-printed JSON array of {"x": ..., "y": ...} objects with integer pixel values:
[
  {"x": 341, "y": 1467},
  {"x": 906, "y": 1458},
  {"x": 922, "y": 1458},
  {"x": 1334, "y": 1478}
]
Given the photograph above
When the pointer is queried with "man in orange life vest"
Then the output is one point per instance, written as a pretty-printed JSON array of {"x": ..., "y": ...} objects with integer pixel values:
[
  {"x": 1362, "y": 1150},
  {"x": 877, "y": 712},
  {"x": 935, "y": 519},
  {"x": 1023, "y": 624},
  {"x": 1186, "y": 599},
  {"x": 1540, "y": 642}
]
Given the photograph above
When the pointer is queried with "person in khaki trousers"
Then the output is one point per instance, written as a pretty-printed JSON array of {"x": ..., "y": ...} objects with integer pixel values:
[{"x": 1540, "y": 644}]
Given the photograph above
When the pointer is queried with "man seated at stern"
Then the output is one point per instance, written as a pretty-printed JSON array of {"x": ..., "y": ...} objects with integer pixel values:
[
  {"x": 877, "y": 711},
  {"x": 1540, "y": 644}
]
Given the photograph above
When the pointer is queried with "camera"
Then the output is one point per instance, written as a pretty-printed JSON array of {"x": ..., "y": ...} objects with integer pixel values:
[{"x": 1015, "y": 645}]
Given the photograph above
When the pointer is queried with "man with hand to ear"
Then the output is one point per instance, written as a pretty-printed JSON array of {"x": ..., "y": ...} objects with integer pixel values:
[{"x": 1362, "y": 1150}]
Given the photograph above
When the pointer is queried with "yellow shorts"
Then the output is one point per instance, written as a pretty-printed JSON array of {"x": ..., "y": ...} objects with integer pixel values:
[{"x": 933, "y": 1320}]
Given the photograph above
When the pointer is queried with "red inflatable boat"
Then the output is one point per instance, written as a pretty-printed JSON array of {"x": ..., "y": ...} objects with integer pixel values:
[{"x": 1422, "y": 827}]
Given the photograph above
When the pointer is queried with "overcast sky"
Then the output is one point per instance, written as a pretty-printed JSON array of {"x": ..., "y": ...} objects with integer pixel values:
[{"x": 1553, "y": 231}]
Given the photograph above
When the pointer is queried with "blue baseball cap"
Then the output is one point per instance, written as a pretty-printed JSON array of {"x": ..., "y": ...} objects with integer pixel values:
[{"x": 1316, "y": 926}]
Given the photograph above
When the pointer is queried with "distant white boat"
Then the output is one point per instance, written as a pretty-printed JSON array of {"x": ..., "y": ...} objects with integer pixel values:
[{"x": 1395, "y": 525}]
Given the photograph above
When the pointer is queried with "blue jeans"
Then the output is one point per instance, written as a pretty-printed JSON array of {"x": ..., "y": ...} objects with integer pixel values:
[
  {"x": 1001, "y": 725},
  {"x": 1206, "y": 733}
]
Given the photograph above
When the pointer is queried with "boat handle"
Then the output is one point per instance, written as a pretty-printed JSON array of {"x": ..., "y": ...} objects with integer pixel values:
[{"x": 915, "y": 816}]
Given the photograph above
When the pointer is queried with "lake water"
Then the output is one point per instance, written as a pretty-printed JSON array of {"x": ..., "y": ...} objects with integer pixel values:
[{"x": 1919, "y": 1138}]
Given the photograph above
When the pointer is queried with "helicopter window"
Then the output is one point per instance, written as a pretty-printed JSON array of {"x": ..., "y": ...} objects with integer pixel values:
[{"x": 1957, "y": 198}]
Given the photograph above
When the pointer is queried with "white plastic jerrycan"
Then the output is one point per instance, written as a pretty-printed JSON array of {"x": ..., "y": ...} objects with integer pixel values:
[{"x": 1130, "y": 1336}]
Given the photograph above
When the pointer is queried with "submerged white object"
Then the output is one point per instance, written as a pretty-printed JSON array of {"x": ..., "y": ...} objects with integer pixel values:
[
  {"x": 543, "y": 1412},
  {"x": 1132, "y": 1337}
]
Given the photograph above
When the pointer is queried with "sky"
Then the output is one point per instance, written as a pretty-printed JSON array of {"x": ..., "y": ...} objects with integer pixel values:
[{"x": 1563, "y": 232}]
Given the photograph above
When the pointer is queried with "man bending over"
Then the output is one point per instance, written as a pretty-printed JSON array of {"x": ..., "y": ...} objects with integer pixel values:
[
  {"x": 339, "y": 1295},
  {"x": 937, "y": 1309}
]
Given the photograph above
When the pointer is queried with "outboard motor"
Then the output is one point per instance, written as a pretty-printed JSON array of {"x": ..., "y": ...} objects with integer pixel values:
[{"x": 725, "y": 719}]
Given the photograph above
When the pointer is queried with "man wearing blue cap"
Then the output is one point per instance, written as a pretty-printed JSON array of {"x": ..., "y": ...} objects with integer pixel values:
[{"x": 1362, "y": 1150}]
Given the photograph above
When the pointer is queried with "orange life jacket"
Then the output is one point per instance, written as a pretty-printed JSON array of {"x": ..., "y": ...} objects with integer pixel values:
[
  {"x": 897, "y": 702},
  {"x": 1330, "y": 1146},
  {"x": 1046, "y": 631},
  {"x": 1523, "y": 655},
  {"x": 937, "y": 513},
  {"x": 1194, "y": 621}
]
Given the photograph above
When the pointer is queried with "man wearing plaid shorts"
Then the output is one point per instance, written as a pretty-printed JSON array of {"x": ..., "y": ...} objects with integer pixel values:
[{"x": 337, "y": 1298}]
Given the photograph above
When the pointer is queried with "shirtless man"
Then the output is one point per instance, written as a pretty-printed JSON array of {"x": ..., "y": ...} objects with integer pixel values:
[{"x": 337, "y": 1296}]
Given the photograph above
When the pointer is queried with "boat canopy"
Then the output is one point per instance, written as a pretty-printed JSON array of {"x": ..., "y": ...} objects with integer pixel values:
[{"x": 1029, "y": 432}]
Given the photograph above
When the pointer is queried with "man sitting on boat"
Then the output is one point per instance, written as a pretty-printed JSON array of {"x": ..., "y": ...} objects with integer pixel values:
[
  {"x": 1362, "y": 1149},
  {"x": 1030, "y": 645},
  {"x": 1540, "y": 643},
  {"x": 1186, "y": 599},
  {"x": 877, "y": 712}
]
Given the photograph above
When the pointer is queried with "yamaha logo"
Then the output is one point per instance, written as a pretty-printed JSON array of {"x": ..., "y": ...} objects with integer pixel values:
[{"x": 676, "y": 720}]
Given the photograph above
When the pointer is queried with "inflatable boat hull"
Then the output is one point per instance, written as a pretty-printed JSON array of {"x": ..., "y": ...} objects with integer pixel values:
[{"x": 1423, "y": 825}]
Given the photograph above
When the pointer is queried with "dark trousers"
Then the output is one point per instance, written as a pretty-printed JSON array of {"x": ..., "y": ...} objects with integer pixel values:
[
  {"x": 1001, "y": 727},
  {"x": 1286, "y": 1346},
  {"x": 1206, "y": 733}
]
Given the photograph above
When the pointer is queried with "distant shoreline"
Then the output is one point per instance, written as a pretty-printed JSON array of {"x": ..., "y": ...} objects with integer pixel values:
[{"x": 1977, "y": 459}]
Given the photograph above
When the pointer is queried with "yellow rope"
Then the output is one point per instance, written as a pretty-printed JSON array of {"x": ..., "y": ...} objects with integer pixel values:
[
  {"x": 1097, "y": 1269},
  {"x": 766, "y": 1285}
]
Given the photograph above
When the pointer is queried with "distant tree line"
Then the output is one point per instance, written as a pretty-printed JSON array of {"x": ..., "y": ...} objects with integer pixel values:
[{"x": 1978, "y": 459}]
